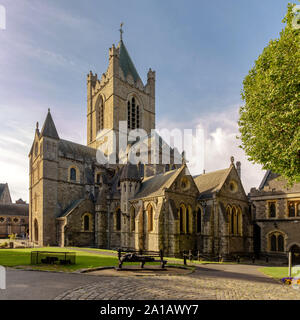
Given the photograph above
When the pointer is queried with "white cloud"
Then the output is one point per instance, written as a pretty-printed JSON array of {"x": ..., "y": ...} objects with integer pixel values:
[{"x": 220, "y": 143}]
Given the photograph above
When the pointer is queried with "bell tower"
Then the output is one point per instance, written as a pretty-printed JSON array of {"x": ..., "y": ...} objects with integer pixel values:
[{"x": 119, "y": 95}]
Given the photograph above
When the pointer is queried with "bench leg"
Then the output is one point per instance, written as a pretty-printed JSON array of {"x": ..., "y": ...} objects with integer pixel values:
[
  {"x": 142, "y": 265},
  {"x": 120, "y": 265}
]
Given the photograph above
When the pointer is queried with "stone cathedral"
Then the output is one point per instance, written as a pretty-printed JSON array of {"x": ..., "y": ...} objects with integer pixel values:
[{"x": 77, "y": 201}]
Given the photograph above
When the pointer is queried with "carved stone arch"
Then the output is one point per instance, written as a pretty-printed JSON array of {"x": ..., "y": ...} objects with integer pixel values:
[
  {"x": 154, "y": 205},
  {"x": 292, "y": 245}
]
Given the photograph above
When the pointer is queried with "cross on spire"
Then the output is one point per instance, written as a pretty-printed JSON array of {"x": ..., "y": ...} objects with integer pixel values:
[{"x": 121, "y": 31}]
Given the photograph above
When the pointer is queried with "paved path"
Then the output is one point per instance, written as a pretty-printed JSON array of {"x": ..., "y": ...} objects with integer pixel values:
[
  {"x": 209, "y": 281},
  {"x": 38, "y": 285},
  {"x": 213, "y": 282}
]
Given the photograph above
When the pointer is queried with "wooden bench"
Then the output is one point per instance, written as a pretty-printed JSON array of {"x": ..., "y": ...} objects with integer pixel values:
[{"x": 141, "y": 256}]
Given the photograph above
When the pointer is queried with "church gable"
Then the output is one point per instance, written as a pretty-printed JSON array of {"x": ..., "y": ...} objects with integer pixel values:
[
  {"x": 274, "y": 182},
  {"x": 184, "y": 183},
  {"x": 232, "y": 186}
]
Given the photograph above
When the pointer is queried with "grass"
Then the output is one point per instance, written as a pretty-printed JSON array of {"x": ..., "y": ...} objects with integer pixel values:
[
  {"x": 275, "y": 272},
  {"x": 180, "y": 261},
  {"x": 20, "y": 258}
]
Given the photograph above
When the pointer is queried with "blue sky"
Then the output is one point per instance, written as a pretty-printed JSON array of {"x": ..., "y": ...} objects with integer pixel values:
[{"x": 200, "y": 50}]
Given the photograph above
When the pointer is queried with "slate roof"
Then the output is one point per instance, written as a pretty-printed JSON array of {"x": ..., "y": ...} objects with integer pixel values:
[
  {"x": 76, "y": 149},
  {"x": 130, "y": 172},
  {"x": 49, "y": 129},
  {"x": 71, "y": 207},
  {"x": 211, "y": 182},
  {"x": 126, "y": 63},
  {"x": 155, "y": 185},
  {"x": 14, "y": 209}
]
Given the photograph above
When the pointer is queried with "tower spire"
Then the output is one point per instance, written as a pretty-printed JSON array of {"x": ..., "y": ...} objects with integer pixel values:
[{"x": 121, "y": 31}]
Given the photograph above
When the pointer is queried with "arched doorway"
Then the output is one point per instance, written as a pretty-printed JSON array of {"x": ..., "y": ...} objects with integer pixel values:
[
  {"x": 295, "y": 249},
  {"x": 36, "y": 231}
]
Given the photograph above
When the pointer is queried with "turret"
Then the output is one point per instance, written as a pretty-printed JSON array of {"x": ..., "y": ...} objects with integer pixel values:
[
  {"x": 130, "y": 183},
  {"x": 113, "y": 67}
]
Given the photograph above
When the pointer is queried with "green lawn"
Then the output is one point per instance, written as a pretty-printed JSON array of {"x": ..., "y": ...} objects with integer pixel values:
[
  {"x": 21, "y": 257},
  {"x": 179, "y": 261},
  {"x": 84, "y": 260},
  {"x": 275, "y": 272}
]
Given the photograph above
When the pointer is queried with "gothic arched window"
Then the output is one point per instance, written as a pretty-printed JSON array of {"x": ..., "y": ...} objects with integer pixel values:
[
  {"x": 233, "y": 220},
  {"x": 272, "y": 209},
  {"x": 86, "y": 223},
  {"x": 273, "y": 243},
  {"x": 187, "y": 219},
  {"x": 133, "y": 114},
  {"x": 100, "y": 114},
  {"x": 150, "y": 217},
  {"x": 291, "y": 209},
  {"x": 181, "y": 219},
  {"x": 73, "y": 174},
  {"x": 199, "y": 220},
  {"x": 280, "y": 243},
  {"x": 276, "y": 241}
]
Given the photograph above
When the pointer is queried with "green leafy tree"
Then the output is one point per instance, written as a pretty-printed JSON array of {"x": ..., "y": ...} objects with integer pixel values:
[{"x": 270, "y": 118}]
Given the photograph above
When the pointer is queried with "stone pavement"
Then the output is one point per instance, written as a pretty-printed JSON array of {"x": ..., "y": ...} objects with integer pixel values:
[{"x": 208, "y": 282}]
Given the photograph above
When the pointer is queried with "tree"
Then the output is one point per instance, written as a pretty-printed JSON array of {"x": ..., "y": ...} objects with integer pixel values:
[{"x": 270, "y": 118}]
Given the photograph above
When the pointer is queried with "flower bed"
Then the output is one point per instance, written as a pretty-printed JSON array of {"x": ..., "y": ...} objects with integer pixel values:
[{"x": 291, "y": 280}]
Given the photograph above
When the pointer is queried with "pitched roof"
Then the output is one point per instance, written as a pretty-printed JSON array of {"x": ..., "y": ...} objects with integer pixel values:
[
  {"x": 130, "y": 172},
  {"x": 155, "y": 185},
  {"x": 71, "y": 207},
  {"x": 49, "y": 129},
  {"x": 264, "y": 180},
  {"x": 14, "y": 209},
  {"x": 2, "y": 187},
  {"x": 76, "y": 149},
  {"x": 211, "y": 182},
  {"x": 126, "y": 63}
]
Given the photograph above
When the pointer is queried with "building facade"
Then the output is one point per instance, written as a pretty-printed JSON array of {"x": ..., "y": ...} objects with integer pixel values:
[
  {"x": 77, "y": 200},
  {"x": 276, "y": 215},
  {"x": 13, "y": 216}
]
